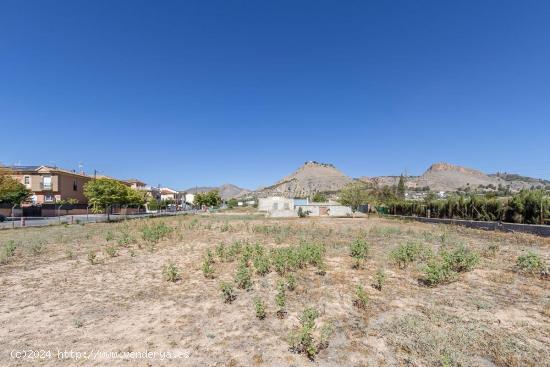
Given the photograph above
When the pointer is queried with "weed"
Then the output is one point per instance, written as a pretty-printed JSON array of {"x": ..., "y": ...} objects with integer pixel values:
[
  {"x": 302, "y": 340},
  {"x": 92, "y": 257},
  {"x": 379, "y": 279},
  {"x": 291, "y": 282},
  {"x": 407, "y": 253},
  {"x": 171, "y": 273},
  {"x": 491, "y": 250},
  {"x": 438, "y": 271},
  {"x": 280, "y": 299},
  {"x": 220, "y": 252},
  {"x": 361, "y": 298},
  {"x": 9, "y": 248},
  {"x": 242, "y": 276},
  {"x": 109, "y": 236},
  {"x": 69, "y": 254},
  {"x": 227, "y": 292},
  {"x": 259, "y": 306},
  {"x": 261, "y": 264},
  {"x": 125, "y": 239},
  {"x": 155, "y": 232},
  {"x": 78, "y": 324},
  {"x": 461, "y": 259},
  {"x": 37, "y": 248},
  {"x": 112, "y": 251},
  {"x": 359, "y": 249},
  {"x": 207, "y": 269},
  {"x": 530, "y": 263},
  {"x": 326, "y": 332}
]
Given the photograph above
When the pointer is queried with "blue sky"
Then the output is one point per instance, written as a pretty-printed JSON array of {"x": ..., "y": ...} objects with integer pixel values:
[{"x": 185, "y": 93}]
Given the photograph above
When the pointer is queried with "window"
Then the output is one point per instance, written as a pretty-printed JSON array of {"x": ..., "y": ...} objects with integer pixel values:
[
  {"x": 47, "y": 182},
  {"x": 287, "y": 206},
  {"x": 49, "y": 198},
  {"x": 75, "y": 186},
  {"x": 275, "y": 206},
  {"x": 27, "y": 180}
]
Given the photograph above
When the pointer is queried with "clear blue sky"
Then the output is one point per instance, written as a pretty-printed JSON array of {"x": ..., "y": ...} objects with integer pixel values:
[{"x": 186, "y": 93}]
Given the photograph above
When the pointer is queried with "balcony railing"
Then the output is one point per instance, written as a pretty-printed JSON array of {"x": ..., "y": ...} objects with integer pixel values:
[{"x": 45, "y": 187}]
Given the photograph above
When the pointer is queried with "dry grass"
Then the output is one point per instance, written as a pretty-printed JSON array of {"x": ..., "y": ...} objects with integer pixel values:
[{"x": 53, "y": 297}]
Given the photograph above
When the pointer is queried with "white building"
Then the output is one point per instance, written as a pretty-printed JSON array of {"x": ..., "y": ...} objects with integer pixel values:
[{"x": 276, "y": 206}]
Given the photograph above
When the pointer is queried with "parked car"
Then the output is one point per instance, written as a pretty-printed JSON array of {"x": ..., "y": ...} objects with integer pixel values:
[{"x": 2, "y": 218}]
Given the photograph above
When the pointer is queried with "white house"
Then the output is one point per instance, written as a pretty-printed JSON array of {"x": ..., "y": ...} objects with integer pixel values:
[{"x": 276, "y": 206}]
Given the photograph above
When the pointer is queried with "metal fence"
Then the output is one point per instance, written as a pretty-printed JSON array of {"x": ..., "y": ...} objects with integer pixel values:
[{"x": 23, "y": 222}]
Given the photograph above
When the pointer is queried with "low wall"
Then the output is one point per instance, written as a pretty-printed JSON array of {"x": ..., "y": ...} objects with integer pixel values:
[{"x": 537, "y": 229}]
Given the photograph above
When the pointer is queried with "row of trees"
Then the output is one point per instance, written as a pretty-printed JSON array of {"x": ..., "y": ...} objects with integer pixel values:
[
  {"x": 104, "y": 192},
  {"x": 527, "y": 206}
]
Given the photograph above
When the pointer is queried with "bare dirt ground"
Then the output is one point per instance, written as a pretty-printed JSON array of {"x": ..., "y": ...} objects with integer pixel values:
[{"x": 57, "y": 296}]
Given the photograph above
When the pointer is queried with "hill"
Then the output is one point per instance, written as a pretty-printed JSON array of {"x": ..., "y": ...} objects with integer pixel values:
[
  {"x": 310, "y": 178},
  {"x": 449, "y": 177},
  {"x": 227, "y": 191}
]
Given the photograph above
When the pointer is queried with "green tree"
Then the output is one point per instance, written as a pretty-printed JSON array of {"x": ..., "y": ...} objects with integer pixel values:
[
  {"x": 11, "y": 190},
  {"x": 401, "y": 187},
  {"x": 354, "y": 195},
  {"x": 231, "y": 203},
  {"x": 319, "y": 197},
  {"x": 105, "y": 192},
  {"x": 209, "y": 199}
]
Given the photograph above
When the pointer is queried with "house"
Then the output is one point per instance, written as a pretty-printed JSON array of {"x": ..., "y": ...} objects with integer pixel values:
[
  {"x": 51, "y": 184},
  {"x": 170, "y": 195},
  {"x": 150, "y": 191},
  {"x": 276, "y": 206}
]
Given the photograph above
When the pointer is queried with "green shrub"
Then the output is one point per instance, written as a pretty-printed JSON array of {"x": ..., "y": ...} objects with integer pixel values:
[
  {"x": 438, "y": 271},
  {"x": 109, "y": 236},
  {"x": 9, "y": 248},
  {"x": 379, "y": 279},
  {"x": 359, "y": 249},
  {"x": 280, "y": 299},
  {"x": 207, "y": 269},
  {"x": 125, "y": 239},
  {"x": 259, "y": 306},
  {"x": 171, "y": 273},
  {"x": 302, "y": 340},
  {"x": 530, "y": 263},
  {"x": 407, "y": 253},
  {"x": 37, "y": 248},
  {"x": 361, "y": 298},
  {"x": 242, "y": 276},
  {"x": 155, "y": 232},
  {"x": 111, "y": 251},
  {"x": 227, "y": 292},
  {"x": 220, "y": 252},
  {"x": 291, "y": 282},
  {"x": 461, "y": 259},
  {"x": 261, "y": 264}
]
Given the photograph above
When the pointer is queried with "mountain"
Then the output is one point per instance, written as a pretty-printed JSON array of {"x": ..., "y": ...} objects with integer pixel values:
[
  {"x": 307, "y": 180},
  {"x": 449, "y": 177},
  {"x": 227, "y": 191}
]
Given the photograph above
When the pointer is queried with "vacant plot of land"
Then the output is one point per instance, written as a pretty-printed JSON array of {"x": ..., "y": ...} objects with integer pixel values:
[{"x": 242, "y": 290}]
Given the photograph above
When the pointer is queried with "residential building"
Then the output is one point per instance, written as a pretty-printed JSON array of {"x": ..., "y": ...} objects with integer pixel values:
[
  {"x": 51, "y": 184},
  {"x": 150, "y": 191}
]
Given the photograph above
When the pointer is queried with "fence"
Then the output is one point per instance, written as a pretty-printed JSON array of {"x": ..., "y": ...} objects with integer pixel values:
[
  {"x": 23, "y": 222},
  {"x": 537, "y": 229}
]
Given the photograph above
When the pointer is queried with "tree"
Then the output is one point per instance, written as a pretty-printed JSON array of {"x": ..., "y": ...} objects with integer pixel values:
[
  {"x": 105, "y": 192},
  {"x": 11, "y": 190},
  {"x": 401, "y": 187},
  {"x": 354, "y": 195},
  {"x": 211, "y": 198},
  {"x": 319, "y": 197},
  {"x": 231, "y": 203}
]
